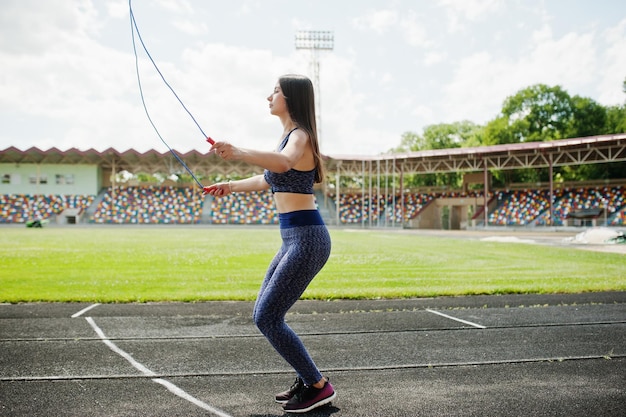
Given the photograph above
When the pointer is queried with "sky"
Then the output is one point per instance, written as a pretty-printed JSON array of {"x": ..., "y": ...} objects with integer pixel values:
[{"x": 68, "y": 78}]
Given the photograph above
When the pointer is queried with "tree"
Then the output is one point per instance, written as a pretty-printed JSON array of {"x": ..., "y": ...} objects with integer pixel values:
[
  {"x": 409, "y": 141},
  {"x": 440, "y": 136},
  {"x": 539, "y": 113},
  {"x": 535, "y": 113},
  {"x": 498, "y": 132},
  {"x": 616, "y": 119},
  {"x": 588, "y": 118}
]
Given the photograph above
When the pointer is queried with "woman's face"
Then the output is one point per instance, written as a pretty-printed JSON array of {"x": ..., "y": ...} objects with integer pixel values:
[{"x": 278, "y": 104}]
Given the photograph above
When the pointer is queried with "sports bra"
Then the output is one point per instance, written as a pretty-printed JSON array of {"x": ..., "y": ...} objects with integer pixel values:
[{"x": 292, "y": 181}]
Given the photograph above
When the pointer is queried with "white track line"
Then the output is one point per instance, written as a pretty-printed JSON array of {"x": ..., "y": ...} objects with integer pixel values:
[
  {"x": 141, "y": 368},
  {"x": 455, "y": 319},
  {"x": 84, "y": 310}
]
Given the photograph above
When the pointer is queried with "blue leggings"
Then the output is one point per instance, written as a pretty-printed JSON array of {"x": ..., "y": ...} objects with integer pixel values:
[{"x": 304, "y": 251}]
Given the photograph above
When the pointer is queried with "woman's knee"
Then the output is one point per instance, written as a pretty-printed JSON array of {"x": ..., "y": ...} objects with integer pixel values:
[{"x": 264, "y": 319}]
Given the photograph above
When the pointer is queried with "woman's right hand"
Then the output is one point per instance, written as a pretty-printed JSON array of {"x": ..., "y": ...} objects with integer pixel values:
[{"x": 220, "y": 189}]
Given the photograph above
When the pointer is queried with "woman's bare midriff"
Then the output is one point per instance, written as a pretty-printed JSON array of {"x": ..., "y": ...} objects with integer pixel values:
[{"x": 288, "y": 202}]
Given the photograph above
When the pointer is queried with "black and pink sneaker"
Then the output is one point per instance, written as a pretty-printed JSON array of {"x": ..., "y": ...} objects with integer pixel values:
[
  {"x": 309, "y": 398},
  {"x": 283, "y": 397}
]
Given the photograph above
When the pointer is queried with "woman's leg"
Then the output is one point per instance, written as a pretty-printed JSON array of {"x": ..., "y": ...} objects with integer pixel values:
[{"x": 305, "y": 251}]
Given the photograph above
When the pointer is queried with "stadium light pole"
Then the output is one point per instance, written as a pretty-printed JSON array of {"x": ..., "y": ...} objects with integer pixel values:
[{"x": 316, "y": 41}]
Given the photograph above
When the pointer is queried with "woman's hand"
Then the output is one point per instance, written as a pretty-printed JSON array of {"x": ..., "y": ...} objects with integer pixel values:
[
  {"x": 225, "y": 151},
  {"x": 220, "y": 189}
]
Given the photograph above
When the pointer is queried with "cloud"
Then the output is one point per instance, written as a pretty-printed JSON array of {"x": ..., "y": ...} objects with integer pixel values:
[
  {"x": 191, "y": 27},
  {"x": 482, "y": 81},
  {"x": 378, "y": 21},
  {"x": 71, "y": 82},
  {"x": 176, "y": 6},
  {"x": 613, "y": 66},
  {"x": 458, "y": 12},
  {"x": 31, "y": 26},
  {"x": 414, "y": 31},
  {"x": 434, "y": 57},
  {"x": 382, "y": 21},
  {"x": 117, "y": 8}
]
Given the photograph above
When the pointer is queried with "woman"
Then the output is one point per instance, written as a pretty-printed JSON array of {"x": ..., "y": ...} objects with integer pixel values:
[{"x": 290, "y": 173}]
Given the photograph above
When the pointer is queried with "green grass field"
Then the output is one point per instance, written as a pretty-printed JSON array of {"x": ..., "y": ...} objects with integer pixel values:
[{"x": 171, "y": 263}]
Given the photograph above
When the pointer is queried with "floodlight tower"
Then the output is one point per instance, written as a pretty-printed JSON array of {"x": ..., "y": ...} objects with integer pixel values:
[{"x": 316, "y": 41}]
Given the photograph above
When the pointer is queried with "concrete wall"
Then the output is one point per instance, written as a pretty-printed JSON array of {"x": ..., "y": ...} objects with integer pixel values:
[{"x": 50, "y": 179}]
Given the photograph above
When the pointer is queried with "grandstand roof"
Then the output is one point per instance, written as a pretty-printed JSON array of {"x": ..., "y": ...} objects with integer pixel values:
[{"x": 576, "y": 151}]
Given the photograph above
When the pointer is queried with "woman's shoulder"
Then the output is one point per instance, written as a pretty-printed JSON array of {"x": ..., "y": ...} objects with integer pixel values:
[{"x": 299, "y": 136}]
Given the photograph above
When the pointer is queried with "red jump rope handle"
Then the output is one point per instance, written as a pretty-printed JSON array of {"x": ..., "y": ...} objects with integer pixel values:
[{"x": 211, "y": 141}]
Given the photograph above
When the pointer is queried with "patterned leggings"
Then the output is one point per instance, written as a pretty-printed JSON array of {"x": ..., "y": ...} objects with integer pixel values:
[{"x": 304, "y": 251}]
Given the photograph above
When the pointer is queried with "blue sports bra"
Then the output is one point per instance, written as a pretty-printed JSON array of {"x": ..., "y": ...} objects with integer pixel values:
[{"x": 292, "y": 181}]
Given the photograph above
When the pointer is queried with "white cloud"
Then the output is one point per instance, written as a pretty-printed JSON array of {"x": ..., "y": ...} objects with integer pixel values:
[
  {"x": 613, "y": 66},
  {"x": 378, "y": 21},
  {"x": 459, "y": 12},
  {"x": 471, "y": 9},
  {"x": 191, "y": 27},
  {"x": 71, "y": 82},
  {"x": 117, "y": 8},
  {"x": 30, "y": 26},
  {"x": 176, "y": 6},
  {"x": 568, "y": 61},
  {"x": 434, "y": 57},
  {"x": 482, "y": 81},
  {"x": 414, "y": 30},
  {"x": 424, "y": 115}
]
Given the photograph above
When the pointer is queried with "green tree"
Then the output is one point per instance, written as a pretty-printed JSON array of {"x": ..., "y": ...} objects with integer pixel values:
[
  {"x": 440, "y": 136},
  {"x": 409, "y": 141},
  {"x": 588, "y": 118},
  {"x": 498, "y": 132},
  {"x": 616, "y": 119},
  {"x": 539, "y": 113}
]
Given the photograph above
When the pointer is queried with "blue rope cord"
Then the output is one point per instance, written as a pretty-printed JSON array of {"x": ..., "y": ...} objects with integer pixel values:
[{"x": 133, "y": 29}]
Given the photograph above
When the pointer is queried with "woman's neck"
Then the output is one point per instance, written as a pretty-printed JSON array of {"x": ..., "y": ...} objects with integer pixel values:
[{"x": 288, "y": 124}]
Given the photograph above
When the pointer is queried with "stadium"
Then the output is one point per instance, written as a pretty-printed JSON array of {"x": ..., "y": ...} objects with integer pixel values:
[
  {"x": 110, "y": 312},
  {"x": 73, "y": 186}
]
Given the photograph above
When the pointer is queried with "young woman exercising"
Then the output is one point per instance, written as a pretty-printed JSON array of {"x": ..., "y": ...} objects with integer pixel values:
[{"x": 290, "y": 173}]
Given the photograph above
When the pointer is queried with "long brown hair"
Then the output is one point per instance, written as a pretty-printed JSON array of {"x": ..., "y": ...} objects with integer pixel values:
[{"x": 300, "y": 98}]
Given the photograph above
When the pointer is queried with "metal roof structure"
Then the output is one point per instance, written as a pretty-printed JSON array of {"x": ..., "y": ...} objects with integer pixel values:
[{"x": 576, "y": 151}]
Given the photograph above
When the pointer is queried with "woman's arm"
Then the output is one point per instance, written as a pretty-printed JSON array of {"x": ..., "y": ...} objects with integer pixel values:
[
  {"x": 221, "y": 189},
  {"x": 281, "y": 161}
]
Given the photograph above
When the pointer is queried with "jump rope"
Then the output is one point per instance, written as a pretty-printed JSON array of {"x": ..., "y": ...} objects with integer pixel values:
[{"x": 135, "y": 29}]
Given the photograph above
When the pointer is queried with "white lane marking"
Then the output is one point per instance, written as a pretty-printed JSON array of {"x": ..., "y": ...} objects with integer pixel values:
[
  {"x": 456, "y": 319},
  {"x": 144, "y": 370},
  {"x": 117, "y": 350},
  {"x": 182, "y": 394},
  {"x": 84, "y": 310}
]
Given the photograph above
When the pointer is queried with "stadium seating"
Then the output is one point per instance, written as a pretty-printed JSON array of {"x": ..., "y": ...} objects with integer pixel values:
[
  {"x": 165, "y": 205},
  {"x": 244, "y": 208},
  {"x": 568, "y": 201},
  {"x": 23, "y": 207},
  {"x": 519, "y": 207},
  {"x": 354, "y": 209},
  {"x": 153, "y": 205},
  {"x": 413, "y": 204}
]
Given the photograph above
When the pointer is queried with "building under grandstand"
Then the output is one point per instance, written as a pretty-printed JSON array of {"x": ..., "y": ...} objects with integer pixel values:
[{"x": 76, "y": 186}]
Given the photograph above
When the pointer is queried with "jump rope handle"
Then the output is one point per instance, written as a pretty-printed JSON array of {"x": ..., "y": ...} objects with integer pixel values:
[{"x": 207, "y": 189}]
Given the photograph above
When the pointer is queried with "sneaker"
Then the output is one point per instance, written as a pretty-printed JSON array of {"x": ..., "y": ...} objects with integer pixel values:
[
  {"x": 309, "y": 398},
  {"x": 283, "y": 397}
]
